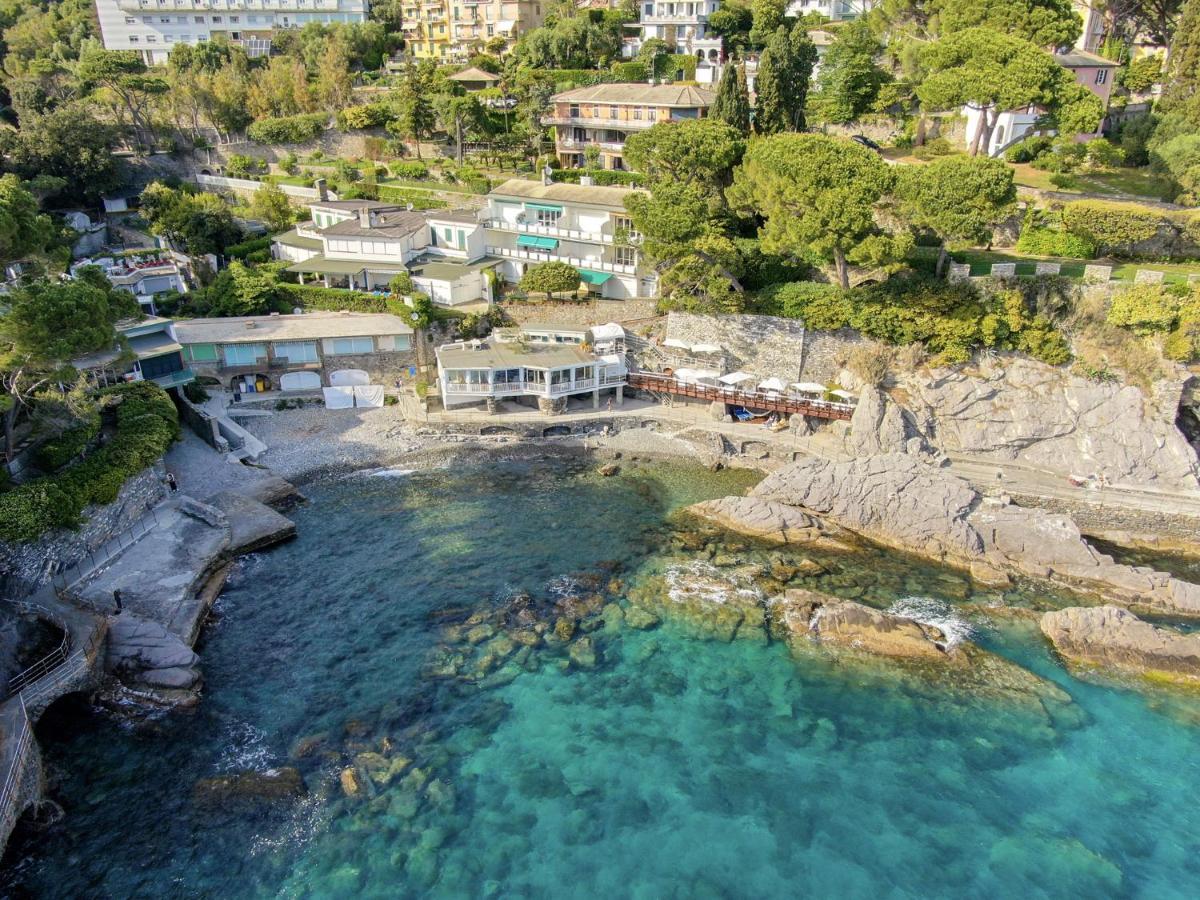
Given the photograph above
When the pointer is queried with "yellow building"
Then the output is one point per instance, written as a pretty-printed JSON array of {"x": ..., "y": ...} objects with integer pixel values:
[{"x": 448, "y": 30}]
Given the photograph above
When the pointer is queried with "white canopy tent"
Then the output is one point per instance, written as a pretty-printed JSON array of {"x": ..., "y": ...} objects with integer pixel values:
[
  {"x": 706, "y": 348},
  {"x": 348, "y": 377},
  {"x": 697, "y": 376},
  {"x": 610, "y": 331},
  {"x": 772, "y": 384},
  {"x": 368, "y": 395},
  {"x": 842, "y": 395},
  {"x": 735, "y": 378},
  {"x": 808, "y": 387},
  {"x": 339, "y": 397}
]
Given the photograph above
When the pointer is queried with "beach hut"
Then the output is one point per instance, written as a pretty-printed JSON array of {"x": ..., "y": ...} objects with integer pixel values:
[{"x": 772, "y": 386}]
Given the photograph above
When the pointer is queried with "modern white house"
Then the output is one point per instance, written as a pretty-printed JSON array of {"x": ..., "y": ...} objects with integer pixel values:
[
  {"x": 834, "y": 10},
  {"x": 585, "y": 226},
  {"x": 146, "y": 275},
  {"x": 491, "y": 370},
  {"x": 153, "y": 27},
  {"x": 364, "y": 244}
]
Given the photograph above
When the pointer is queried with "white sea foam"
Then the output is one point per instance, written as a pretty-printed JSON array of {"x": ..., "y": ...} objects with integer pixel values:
[
  {"x": 938, "y": 613},
  {"x": 245, "y": 748},
  {"x": 700, "y": 580},
  {"x": 390, "y": 473}
]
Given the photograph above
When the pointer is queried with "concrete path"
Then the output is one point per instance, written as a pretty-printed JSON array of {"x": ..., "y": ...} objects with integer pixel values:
[{"x": 217, "y": 405}]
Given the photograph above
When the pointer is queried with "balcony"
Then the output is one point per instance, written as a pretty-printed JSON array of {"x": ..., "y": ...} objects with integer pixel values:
[
  {"x": 676, "y": 19},
  {"x": 236, "y": 5},
  {"x": 534, "y": 388},
  {"x": 554, "y": 231},
  {"x": 538, "y": 256},
  {"x": 583, "y": 121},
  {"x": 174, "y": 379},
  {"x": 566, "y": 143}
]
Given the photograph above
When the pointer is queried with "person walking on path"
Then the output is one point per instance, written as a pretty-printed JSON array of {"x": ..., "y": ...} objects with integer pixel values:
[
  {"x": 172, "y": 483},
  {"x": 117, "y": 600}
]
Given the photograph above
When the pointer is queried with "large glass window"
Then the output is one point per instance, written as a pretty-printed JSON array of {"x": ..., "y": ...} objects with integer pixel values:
[
  {"x": 244, "y": 354},
  {"x": 560, "y": 376},
  {"x": 625, "y": 256},
  {"x": 548, "y": 216},
  {"x": 507, "y": 376},
  {"x": 297, "y": 351},
  {"x": 201, "y": 352},
  {"x": 344, "y": 346}
]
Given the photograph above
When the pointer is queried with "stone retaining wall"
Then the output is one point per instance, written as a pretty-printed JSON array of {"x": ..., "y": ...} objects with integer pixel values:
[
  {"x": 27, "y": 563},
  {"x": 1101, "y": 519},
  {"x": 768, "y": 346},
  {"x": 581, "y": 313}
]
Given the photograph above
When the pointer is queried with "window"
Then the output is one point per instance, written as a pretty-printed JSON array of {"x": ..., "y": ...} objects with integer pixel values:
[
  {"x": 344, "y": 346},
  {"x": 130, "y": 20},
  {"x": 625, "y": 256},
  {"x": 560, "y": 376},
  {"x": 637, "y": 112},
  {"x": 506, "y": 376},
  {"x": 548, "y": 216},
  {"x": 133, "y": 39},
  {"x": 584, "y": 372},
  {"x": 201, "y": 352},
  {"x": 612, "y": 112},
  {"x": 1101, "y": 76},
  {"x": 574, "y": 110},
  {"x": 199, "y": 20},
  {"x": 244, "y": 354},
  {"x": 151, "y": 39},
  {"x": 234, "y": 19},
  {"x": 297, "y": 351},
  {"x": 147, "y": 19},
  {"x": 165, "y": 20},
  {"x": 170, "y": 38},
  {"x": 216, "y": 19},
  {"x": 491, "y": 30}
]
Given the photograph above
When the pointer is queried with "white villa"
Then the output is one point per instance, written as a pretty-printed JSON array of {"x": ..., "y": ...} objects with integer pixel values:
[
  {"x": 585, "y": 226},
  {"x": 534, "y": 365},
  {"x": 683, "y": 24},
  {"x": 364, "y": 244}
]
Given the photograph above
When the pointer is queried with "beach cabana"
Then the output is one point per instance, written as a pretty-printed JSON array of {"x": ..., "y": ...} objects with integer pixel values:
[
  {"x": 808, "y": 387},
  {"x": 772, "y": 385},
  {"x": 843, "y": 396},
  {"x": 733, "y": 379}
]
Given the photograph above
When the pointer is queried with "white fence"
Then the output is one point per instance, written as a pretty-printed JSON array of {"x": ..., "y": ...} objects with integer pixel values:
[{"x": 217, "y": 182}]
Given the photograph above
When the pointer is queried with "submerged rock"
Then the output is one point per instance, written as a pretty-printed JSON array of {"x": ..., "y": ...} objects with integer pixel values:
[
  {"x": 806, "y": 614},
  {"x": 267, "y": 786},
  {"x": 1113, "y": 638},
  {"x": 718, "y": 603},
  {"x": 583, "y": 653},
  {"x": 770, "y": 521}
]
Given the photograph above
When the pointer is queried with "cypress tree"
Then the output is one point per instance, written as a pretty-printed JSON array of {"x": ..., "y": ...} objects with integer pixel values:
[
  {"x": 802, "y": 60},
  {"x": 1181, "y": 86},
  {"x": 732, "y": 105},
  {"x": 770, "y": 104}
]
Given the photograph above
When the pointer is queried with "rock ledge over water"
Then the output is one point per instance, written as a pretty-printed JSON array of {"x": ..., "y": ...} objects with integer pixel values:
[{"x": 1110, "y": 637}]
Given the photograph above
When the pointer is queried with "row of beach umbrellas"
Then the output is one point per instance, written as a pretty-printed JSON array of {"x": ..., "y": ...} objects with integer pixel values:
[{"x": 779, "y": 386}]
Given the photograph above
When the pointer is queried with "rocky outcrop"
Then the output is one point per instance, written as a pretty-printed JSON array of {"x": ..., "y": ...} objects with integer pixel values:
[
  {"x": 899, "y": 501},
  {"x": 879, "y": 425},
  {"x": 249, "y": 788},
  {"x": 252, "y": 525},
  {"x": 1113, "y": 638},
  {"x": 801, "y": 614},
  {"x": 772, "y": 521},
  {"x": 1028, "y": 412},
  {"x": 152, "y": 662}
]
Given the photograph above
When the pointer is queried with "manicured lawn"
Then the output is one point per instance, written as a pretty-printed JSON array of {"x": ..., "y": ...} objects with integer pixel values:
[
  {"x": 981, "y": 264},
  {"x": 427, "y": 185},
  {"x": 1134, "y": 182},
  {"x": 296, "y": 180}
]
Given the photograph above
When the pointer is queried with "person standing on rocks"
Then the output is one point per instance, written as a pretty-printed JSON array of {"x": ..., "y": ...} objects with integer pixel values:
[
  {"x": 172, "y": 483},
  {"x": 117, "y": 601}
]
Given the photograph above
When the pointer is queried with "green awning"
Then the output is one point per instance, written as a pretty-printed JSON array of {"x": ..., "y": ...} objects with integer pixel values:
[
  {"x": 591, "y": 277},
  {"x": 544, "y": 207},
  {"x": 538, "y": 243}
]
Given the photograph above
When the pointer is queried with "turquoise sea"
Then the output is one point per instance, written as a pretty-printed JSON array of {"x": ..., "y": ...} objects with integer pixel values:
[{"x": 675, "y": 767}]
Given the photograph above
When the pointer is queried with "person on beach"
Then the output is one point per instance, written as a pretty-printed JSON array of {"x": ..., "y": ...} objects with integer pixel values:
[{"x": 172, "y": 483}]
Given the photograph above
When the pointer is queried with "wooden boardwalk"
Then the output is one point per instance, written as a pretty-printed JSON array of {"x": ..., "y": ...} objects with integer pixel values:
[{"x": 752, "y": 400}]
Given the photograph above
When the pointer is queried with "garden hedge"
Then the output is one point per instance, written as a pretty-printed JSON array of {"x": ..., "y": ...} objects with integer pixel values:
[
  {"x": 288, "y": 129},
  {"x": 1131, "y": 229},
  {"x": 146, "y": 424}
]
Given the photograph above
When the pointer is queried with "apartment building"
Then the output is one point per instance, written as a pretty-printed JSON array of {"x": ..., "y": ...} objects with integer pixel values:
[
  {"x": 529, "y": 222},
  {"x": 363, "y": 244},
  {"x": 834, "y": 10},
  {"x": 252, "y": 354},
  {"x": 153, "y": 27},
  {"x": 604, "y": 115},
  {"x": 454, "y": 29},
  {"x": 683, "y": 24}
]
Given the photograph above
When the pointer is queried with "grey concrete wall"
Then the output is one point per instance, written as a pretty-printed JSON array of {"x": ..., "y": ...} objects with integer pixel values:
[
  {"x": 581, "y": 313},
  {"x": 27, "y": 562},
  {"x": 1098, "y": 518}
]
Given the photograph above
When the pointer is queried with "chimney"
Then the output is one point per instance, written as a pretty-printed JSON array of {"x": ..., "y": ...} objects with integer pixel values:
[
  {"x": 322, "y": 189},
  {"x": 364, "y": 217}
]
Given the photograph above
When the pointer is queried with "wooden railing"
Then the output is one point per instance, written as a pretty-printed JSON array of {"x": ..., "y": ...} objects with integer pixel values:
[{"x": 755, "y": 400}]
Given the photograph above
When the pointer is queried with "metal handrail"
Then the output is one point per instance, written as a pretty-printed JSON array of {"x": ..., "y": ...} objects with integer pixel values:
[
  {"x": 42, "y": 667},
  {"x": 24, "y": 739}
]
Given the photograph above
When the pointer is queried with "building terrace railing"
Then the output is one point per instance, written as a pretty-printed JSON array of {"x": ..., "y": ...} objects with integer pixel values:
[
  {"x": 536, "y": 256},
  {"x": 532, "y": 387},
  {"x": 555, "y": 231}
]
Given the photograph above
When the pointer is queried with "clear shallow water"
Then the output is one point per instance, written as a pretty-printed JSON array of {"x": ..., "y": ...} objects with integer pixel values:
[{"x": 675, "y": 768}]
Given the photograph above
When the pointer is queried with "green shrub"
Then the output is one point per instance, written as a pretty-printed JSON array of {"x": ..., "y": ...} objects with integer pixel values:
[
  {"x": 418, "y": 198},
  {"x": 1029, "y": 149},
  {"x": 245, "y": 248},
  {"x": 605, "y": 177},
  {"x": 633, "y": 70},
  {"x": 57, "y": 452},
  {"x": 934, "y": 148},
  {"x": 415, "y": 169},
  {"x": 146, "y": 424},
  {"x": 1037, "y": 241},
  {"x": 288, "y": 129},
  {"x": 368, "y": 115},
  {"x": 241, "y": 166}
]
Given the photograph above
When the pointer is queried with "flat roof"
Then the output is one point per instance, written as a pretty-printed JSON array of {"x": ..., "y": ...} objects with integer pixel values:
[
  {"x": 323, "y": 266},
  {"x": 351, "y": 205},
  {"x": 593, "y": 195},
  {"x": 561, "y": 329},
  {"x": 680, "y": 95},
  {"x": 390, "y": 221},
  {"x": 465, "y": 216},
  {"x": 449, "y": 269},
  {"x": 254, "y": 329},
  {"x": 155, "y": 344},
  {"x": 494, "y": 355},
  {"x": 294, "y": 239}
]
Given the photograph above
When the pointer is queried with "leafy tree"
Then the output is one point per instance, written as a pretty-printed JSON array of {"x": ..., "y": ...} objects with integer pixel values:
[
  {"x": 732, "y": 105},
  {"x": 1046, "y": 23},
  {"x": 698, "y": 151},
  {"x": 123, "y": 74},
  {"x": 24, "y": 230},
  {"x": 993, "y": 72},
  {"x": 767, "y": 16},
  {"x": 818, "y": 194},
  {"x": 201, "y": 222},
  {"x": 732, "y": 21},
  {"x": 550, "y": 278},
  {"x": 850, "y": 78},
  {"x": 69, "y": 143},
  {"x": 459, "y": 114},
  {"x": 415, "y": 117},
  {"x": 1142, "y": 74},
  {"x": 958, "y": 198},
  {"x": 271, "y": 205}
]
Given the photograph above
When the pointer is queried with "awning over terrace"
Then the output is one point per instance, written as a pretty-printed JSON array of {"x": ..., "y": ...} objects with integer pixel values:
[
  {"x": 537, "y": 243},
  {"x": 597, "y": 278}
]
